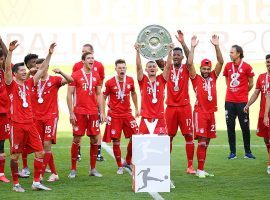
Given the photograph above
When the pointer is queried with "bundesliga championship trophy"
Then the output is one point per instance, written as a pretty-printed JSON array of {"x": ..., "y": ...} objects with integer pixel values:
[{"x": 154, "y": 42}]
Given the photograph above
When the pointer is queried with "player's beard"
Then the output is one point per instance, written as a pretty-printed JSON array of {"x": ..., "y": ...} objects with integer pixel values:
[{"x": 205, "y": 75}]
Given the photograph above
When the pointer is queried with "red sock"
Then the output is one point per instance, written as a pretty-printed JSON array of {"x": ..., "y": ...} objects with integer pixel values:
[
  {"x": 38, "y": 163},
  {"x": 129, "y": 153},
  {"x": 74, "y": 155},
  {"x": 14, "y": 171},
  {"x": 201, "y": 154},
  {"x": 189, "y": 149},
  {"x": 52, "y": 166},
  {"x": 171, "y": 140},
  {"x": 117, "y": 153},
  {"x": 24, "y": 158},
  {"x": 93, "y": 155},
  {"x": 2, "y": 163},
  {"x": 47, "y": 158}
]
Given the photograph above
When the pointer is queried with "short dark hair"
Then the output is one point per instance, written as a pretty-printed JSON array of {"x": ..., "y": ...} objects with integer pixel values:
[
  {"x": 267, "y": 56},
  {"x": 90, "y": 46},
  {"x": 40, "y": 60},
  {"x": 178, "y": 49},
  {"x": 120, "y": 61},
  {"x": 239, "y": 50},
  {"x": 15, "y": 68},
  {"x": 85, "y": 54},
  {"x": 1, "y": 52},
  {"x": 30, "y": 56}
]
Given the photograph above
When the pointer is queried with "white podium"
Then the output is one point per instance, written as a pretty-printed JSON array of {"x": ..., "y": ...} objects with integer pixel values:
[{"x": 151, "y": 163}]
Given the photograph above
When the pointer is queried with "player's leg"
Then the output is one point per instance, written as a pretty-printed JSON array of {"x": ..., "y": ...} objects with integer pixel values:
[
  {"x": 4, "y": 134},
  {"x": 2, "y": 162},
  {"x": 172, "y": 123}
]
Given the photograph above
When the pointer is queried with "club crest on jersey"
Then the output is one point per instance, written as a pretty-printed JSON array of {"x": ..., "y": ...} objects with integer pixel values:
[
  {"x": 157, "y": 83},
  {"x": 128, "y": 86},
  {"x": 94, "y": 79},
  {"x": 49, "y": 84},
  {"x": 115, "y": 88},
  {"x": 95, "y": 68}
]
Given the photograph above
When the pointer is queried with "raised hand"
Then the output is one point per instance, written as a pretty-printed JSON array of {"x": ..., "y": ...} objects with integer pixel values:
[
  {"x": 51, "y": 49},
  {"x": 215, "y": 40},
  {"x": 137, "y": 46},
  {"x": 171, "y": 46},
  {"x": 13, "y": 45},
  {"x": 180, "y": 36},
  {"x": 194, "y": 41},
  {"x": 57, "y": 71}
]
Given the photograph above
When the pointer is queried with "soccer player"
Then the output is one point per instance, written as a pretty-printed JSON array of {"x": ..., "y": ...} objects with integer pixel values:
[
  {"x": 239, "y": 80},
  {"x": 152, "y": 88},
  {"x": 205, "y": 107},
  {"x": 262, "y": 86},
  {"x": 45, "y": 103},
  {"x": 4, "y": 112},
  {"x": 178, "y": 112},
  {"x": 119, "y": 89},
  {"x": 83, "y": 109},
  {"x": 98, "y": 68},
  {"x": 23, "y": 129}
]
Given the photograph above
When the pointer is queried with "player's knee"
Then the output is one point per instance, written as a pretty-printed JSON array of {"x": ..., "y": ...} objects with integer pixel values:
[
  {"x": 47, "y": 146},
  {"x": 189, "y": 137},
  {"x": 76, "y": 140},
  {"x": 14, "y": 156},
  {"x": 40, "y": 154}
]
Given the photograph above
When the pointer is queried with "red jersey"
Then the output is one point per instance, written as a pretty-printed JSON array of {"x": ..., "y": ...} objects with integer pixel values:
[
  {"x": 85, "y": 99},
  {"x": 181, "y": 96},
  {"x": 206, "y": 93},
  {"x": 97, "y": 67},
  {"x": 263, "y": 85},
  {"x": 48, "y": 108},
  {"x": 4, "y": 100},
  {"x": 118, "y": 107},
  {"x": 152, "y": 107},
  {"x": 19, "y": 113},
  {"x": 237, "y": 80}
]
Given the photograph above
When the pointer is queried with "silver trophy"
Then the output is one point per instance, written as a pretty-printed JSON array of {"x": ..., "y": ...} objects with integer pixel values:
[{"x": 154, "y": 42}]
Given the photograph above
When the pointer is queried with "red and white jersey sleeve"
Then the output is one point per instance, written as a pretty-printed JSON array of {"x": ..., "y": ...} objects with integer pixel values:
[
  {"x": 148, "y": 108},
  {"x": 4, "y": 100},
  {"x": 180, "y": 97},
  {"x": 264, "y": 89},
  {"x": 117, "y": 107},
  {"x": 237, "y": 92},
  {"x": 202, "y": 104},
  {"x": 48, "y": 109},
  {"x": 18, "y": 113},
  {"x": 85, "y": 100}
]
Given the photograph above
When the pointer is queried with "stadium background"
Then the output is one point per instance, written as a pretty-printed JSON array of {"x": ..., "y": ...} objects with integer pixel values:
[{"x": 113, "y": 25}]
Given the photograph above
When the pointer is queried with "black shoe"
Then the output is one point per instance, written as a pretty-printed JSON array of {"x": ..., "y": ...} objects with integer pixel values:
[{"x": 100, "y": 158}]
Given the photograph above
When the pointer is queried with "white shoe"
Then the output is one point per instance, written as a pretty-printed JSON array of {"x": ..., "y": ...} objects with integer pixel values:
[
  {"x": 39, "y": 186},
  {"x": 200, "y": 173},
  {"x": 120, "y": 170},
  {"x": 47, "y": 170},
  {"x": 207, "y": 174},
  {"x": 172, "y": 184},
  {"x": 268, "y": 170},
  {"x": 72, "y": 174},
  {"x": 26, "y": 171},
  {"x": 18, "y": 188},
  {"x": 95, "y": 173},
  {"x": 53, "y": 178}
]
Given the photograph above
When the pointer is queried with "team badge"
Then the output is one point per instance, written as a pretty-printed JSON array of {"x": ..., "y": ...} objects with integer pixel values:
[
  {"x": 94, "y": 79},
  {"x": 95, "y": 68},
  {"x": 49, "y": 84}
]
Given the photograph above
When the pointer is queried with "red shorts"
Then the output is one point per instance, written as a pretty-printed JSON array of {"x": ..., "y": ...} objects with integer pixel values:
[
  {"x": 179, "y": 117},
  {"x": 86, "y": 122},
  {"x": 4, "y": 126},
  {"x": 115, "y": 126},
  {"x": 262, "y": 130},
  {"x": 25, "y": 136},
  {"x": 204, "y": 125},
  {"x": 160, "y": 128},
  {"x": 47, "y": 129}
]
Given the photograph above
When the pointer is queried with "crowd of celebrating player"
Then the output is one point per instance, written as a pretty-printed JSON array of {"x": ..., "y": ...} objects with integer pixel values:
[{"x": 29, "y": 106}]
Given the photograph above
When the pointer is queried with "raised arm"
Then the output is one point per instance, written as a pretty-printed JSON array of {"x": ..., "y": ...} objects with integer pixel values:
[
  {"x": 135, "y": 102},
  {"x": 138, "y": 63},
  {"x": 3, "y": 47},
  {"x": 160, "y": 64},
  {"x": 191, "y": 68},
  {"x": 8, "y": 72},
  {"x": 252, "y": 99},
  {"x": 180, "y": 38},
  {"x": 67, "y": 78},
  {"x": 166, "y": 70},
  {"x": 45, "y": 65},
  {"x": 215, "y": 42}
]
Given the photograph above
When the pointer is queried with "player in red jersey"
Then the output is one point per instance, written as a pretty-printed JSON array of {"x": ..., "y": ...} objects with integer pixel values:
[
  {"x": 45, "y": 103},
  {"x": 118, "y": 90},
  {"x": 84, "y": 98},
  {"x": 99, "y": 68},
  {"x": 4, "y": 112},
  {"x": 239, "y": 80},
  {"x": 23, "y": 129},
  {"x": 205, "y": 107},
  {"x": 178, "y": 112},
  {"x": 152, "y": 88},
  {"x": 262, "y": 86}
]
